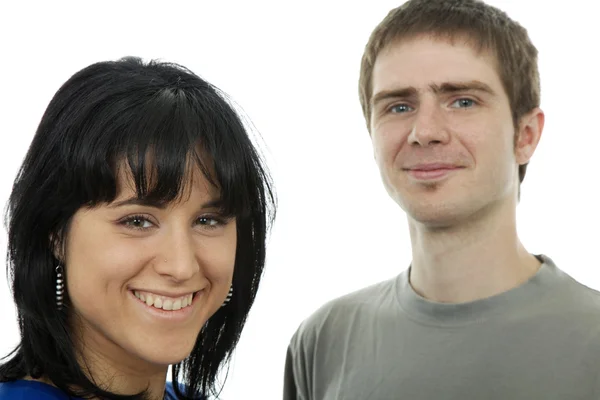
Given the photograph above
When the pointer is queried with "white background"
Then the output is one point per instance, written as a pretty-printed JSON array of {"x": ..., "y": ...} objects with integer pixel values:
[{"x": 293, "y": 67}]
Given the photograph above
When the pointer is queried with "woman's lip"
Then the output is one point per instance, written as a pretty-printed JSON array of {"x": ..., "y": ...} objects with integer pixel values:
[
  {"x": 172, "y": 315},
  {"x": 165, "y": 293}
]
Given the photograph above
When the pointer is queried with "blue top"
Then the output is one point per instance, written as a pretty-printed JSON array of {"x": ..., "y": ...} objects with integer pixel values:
[{"x": 32, "y": 390}]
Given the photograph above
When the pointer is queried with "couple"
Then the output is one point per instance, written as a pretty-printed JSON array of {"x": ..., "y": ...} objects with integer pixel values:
[{"x": 138, "y": 221}]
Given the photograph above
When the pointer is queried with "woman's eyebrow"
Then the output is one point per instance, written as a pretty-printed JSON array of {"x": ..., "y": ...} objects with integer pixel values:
[{"x": 215, "y": 202}]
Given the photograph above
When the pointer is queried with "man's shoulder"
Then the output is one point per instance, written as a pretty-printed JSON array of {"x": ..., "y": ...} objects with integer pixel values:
[
  {"x": 337, "y": 314},
  {"x": 573, "y": 295}
]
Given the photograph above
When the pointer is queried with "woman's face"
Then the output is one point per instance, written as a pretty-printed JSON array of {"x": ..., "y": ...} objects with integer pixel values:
[{"x": 143, "y": 279}]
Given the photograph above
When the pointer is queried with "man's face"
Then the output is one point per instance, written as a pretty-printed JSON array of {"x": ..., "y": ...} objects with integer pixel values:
[{"x": 442, "y": 130}]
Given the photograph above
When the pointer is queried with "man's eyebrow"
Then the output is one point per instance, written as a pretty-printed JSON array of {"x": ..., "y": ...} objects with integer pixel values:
[
  {"x": 453, "y": 87},
  {"x": 393, "y": 94},
  {"x": 444, "y": 88},
  {"x": 135, "y": 201}
]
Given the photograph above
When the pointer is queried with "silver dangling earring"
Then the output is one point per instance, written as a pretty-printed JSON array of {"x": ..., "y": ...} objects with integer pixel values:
[
  {"x": 228, "y": 298},
  {"x": 60, "y": 287}
]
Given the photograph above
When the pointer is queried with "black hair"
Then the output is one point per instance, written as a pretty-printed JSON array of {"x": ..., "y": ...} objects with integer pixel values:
[{"x": 106, "y": 114}]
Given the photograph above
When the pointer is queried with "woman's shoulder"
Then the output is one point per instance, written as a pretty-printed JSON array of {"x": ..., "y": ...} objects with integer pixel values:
[
  {"x": 171, "y": 392},
  {"x": 33, "y": 390},
  {"x": 29, "y": 390}
]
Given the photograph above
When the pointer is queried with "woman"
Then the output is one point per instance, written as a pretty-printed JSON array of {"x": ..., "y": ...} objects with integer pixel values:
[{"x": 137, "y": 228}]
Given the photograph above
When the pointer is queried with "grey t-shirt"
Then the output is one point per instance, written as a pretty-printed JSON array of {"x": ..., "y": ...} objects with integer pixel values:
[{"x": 538, "y": 341}]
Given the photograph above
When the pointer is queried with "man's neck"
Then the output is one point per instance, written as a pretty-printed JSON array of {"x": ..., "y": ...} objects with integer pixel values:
[{"x": 477, "y": 259}]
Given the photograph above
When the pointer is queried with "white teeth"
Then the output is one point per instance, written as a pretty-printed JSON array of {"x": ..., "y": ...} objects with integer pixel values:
[
  {"x": 176, "y": 305},
  {"x": 158, "y": 303},
  {"x": 166, "y": 304}
]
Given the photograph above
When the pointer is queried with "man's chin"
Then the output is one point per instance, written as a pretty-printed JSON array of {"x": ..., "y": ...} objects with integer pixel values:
[{"x": 434, "y": 216}]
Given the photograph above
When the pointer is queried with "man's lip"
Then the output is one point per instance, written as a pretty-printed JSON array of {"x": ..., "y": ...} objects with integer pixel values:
[{"x": 432, "y": 167}]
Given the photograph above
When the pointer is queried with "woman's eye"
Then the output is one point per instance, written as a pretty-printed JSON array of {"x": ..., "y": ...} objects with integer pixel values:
[
  {"x": 463, "y": 103},
  {"x": 400, "y": 108},
  {"x": 209, "y": 222},
  {"x": 138, "y": 222}
]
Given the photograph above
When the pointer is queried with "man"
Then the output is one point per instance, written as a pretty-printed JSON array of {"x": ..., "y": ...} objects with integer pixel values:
[{"x": 450, "y": 93}]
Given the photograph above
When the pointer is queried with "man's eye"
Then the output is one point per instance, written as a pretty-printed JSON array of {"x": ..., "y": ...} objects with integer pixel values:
[
  {"x": 400, "y": 108},
  {"x": 463, "y": 103}
]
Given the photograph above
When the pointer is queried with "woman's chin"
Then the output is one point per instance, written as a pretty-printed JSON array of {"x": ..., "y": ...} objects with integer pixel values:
[
  {"x": 162, "y": 355},
  {"x": 166, "y": 357}
]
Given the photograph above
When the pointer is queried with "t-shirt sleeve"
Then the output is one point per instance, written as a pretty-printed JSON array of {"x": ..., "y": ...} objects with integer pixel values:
[
  {"x": 295, "y": 384},
  {"x": 290, "y": 391}
]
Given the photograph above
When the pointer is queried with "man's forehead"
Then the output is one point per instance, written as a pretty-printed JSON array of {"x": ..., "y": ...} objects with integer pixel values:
[{"x": 427, "y": 63}]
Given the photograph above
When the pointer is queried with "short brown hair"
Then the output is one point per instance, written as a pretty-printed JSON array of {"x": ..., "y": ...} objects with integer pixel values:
[{"x": 484, "y": 26}]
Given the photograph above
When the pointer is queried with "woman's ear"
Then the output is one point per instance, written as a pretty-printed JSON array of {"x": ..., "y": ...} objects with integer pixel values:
[{"x": 57, "y": 247}]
